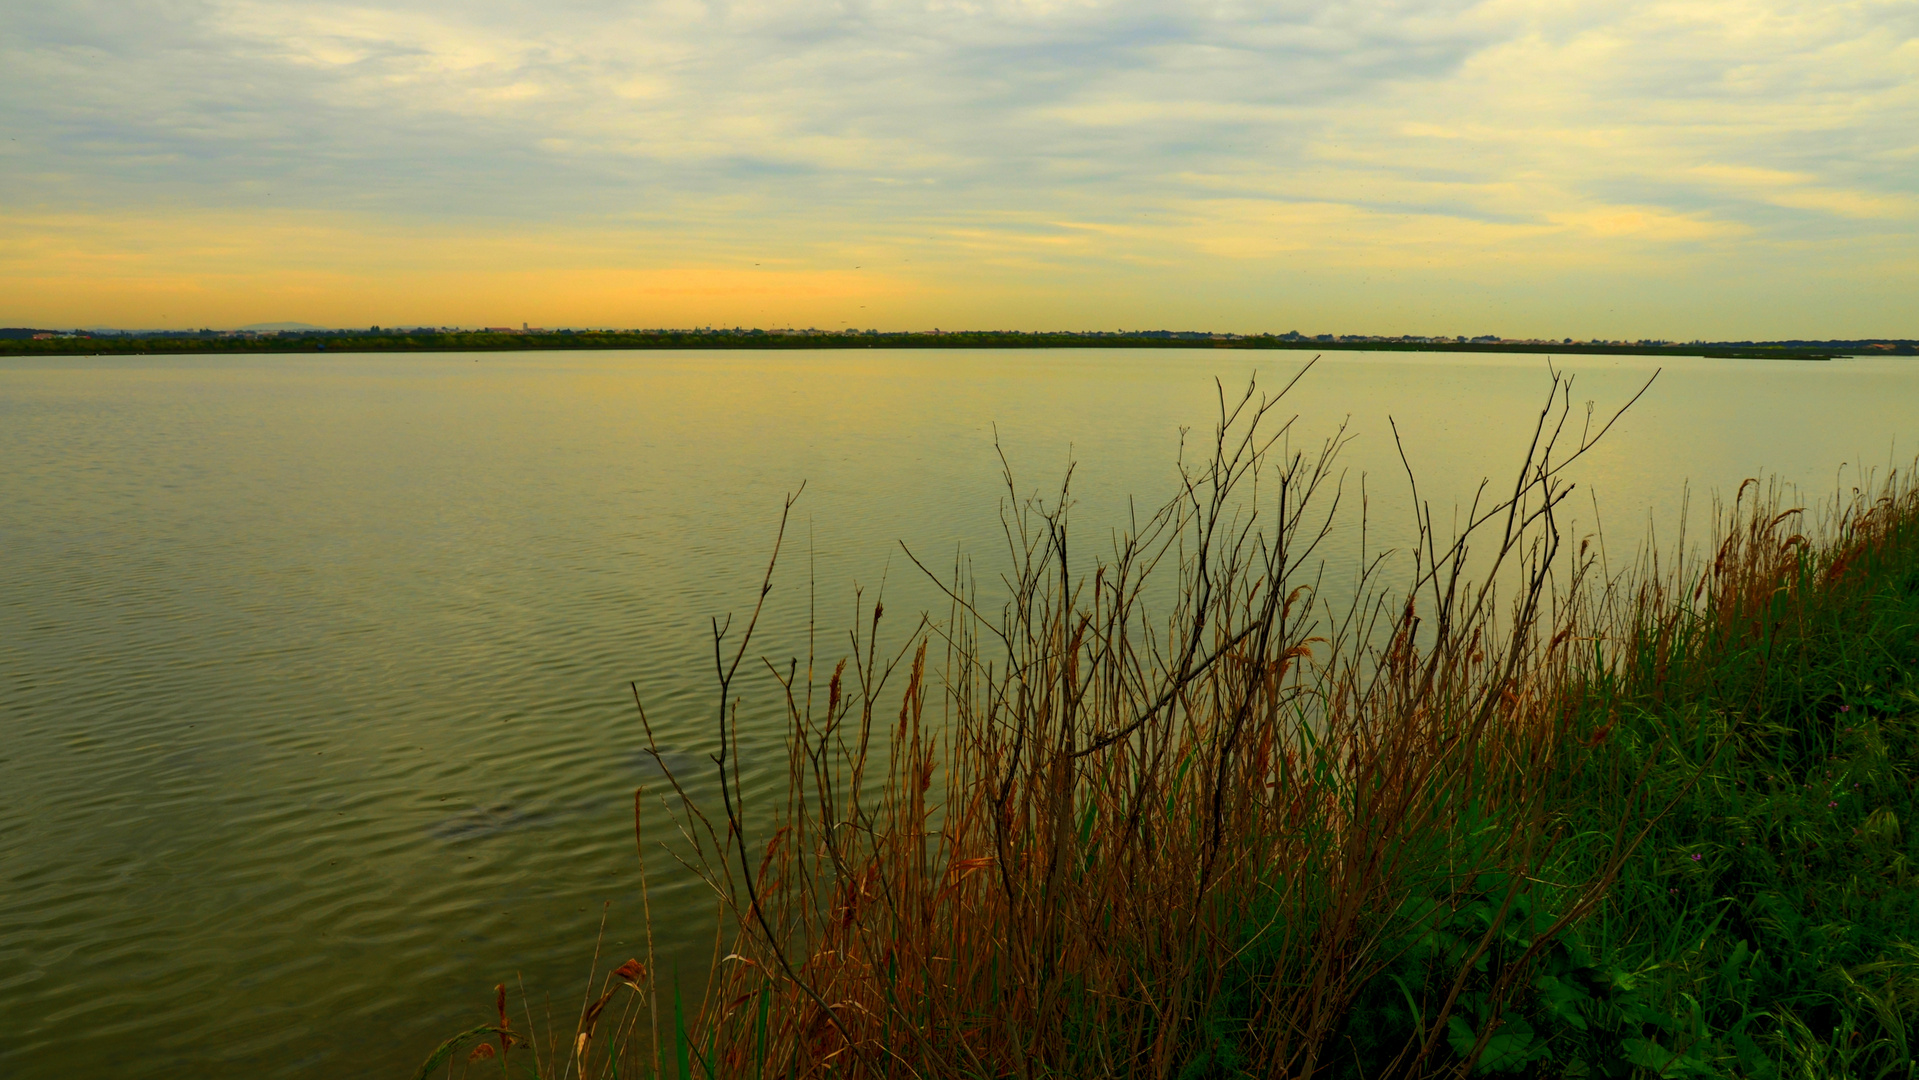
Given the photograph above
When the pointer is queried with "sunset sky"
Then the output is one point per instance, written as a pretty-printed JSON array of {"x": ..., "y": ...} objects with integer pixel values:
[{"x": 1677, "y": 169}]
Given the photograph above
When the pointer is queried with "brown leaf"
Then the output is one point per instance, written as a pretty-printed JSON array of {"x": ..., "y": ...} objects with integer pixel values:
[
  {"x": 592, "y": 1018},
  {"x": 481, "y": 1052}
]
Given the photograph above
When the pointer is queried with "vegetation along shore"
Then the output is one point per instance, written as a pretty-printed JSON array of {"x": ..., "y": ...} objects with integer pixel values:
[
  {"x": 1173, "y": 806},
  {"x": 28, "y": 342}
]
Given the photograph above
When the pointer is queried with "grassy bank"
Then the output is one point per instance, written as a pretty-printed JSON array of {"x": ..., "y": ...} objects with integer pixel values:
[{"x": 1516, "y": 811}]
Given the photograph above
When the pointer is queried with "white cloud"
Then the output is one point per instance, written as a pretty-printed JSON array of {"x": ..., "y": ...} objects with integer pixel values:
[{"x": 1447, "y": 127}]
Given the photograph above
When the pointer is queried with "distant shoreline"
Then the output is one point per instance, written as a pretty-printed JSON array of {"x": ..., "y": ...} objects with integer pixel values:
[{"x": 479, "y": 341}]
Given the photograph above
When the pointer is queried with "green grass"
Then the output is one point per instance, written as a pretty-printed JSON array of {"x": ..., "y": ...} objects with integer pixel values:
[{"x": 1766, "y": 923}]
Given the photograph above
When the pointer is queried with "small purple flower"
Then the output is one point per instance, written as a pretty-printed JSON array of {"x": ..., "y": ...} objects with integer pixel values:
[
  {"x": 1845, "y": 708},
  {"x": 1831, "y": 805},
  {"x": 1695, "y": 858}
]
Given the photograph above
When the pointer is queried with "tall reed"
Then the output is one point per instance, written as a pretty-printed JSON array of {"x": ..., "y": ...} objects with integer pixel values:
[{"x": 1094, "y": 838}]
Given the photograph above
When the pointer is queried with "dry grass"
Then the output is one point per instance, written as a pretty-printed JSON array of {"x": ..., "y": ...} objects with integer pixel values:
[{"x": 1099, "y": 839}]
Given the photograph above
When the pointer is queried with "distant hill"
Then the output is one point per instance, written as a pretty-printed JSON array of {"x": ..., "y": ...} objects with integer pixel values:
[
  {"x": 267, "y": 326},
  {"x": 20, "y": 333}
]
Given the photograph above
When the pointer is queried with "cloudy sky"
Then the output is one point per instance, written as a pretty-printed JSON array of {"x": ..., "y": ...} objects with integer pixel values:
[{"x": 1676, "y": 169}]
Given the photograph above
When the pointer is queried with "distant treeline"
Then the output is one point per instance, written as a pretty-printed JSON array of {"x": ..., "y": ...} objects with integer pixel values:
[{"x": 23, "y": 341}]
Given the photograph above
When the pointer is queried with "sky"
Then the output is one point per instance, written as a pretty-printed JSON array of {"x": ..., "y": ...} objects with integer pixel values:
[{"x": 1674, "y": 169}]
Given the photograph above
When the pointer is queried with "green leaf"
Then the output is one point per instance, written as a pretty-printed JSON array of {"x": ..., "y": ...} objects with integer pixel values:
[
  {"x": 1461, "y": 1037},
  {"x": 1439, "y": 944},
  {"x": 1649, "y": 1054},
  {"x": 1565, "y": 1001},
  {"x": 1752, "y": 1058},
  {"x": 680, "y": 1043},
  {"x": 1511, "y": 1048},
  {"x": 1740, "y": 954}
]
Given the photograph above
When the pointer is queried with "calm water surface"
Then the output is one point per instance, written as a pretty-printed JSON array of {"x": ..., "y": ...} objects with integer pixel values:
[{"x": 315, "y": 670}]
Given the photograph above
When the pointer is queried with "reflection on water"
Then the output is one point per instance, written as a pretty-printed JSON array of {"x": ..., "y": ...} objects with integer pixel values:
[{"x": 316, "y": 670}]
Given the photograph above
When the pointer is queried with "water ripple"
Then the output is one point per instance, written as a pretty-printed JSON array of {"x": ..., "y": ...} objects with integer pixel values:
[{"x": 315, "y": 672}]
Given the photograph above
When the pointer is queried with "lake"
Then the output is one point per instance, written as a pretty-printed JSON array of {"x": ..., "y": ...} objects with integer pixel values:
[{"x": 316, "y": 669}]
